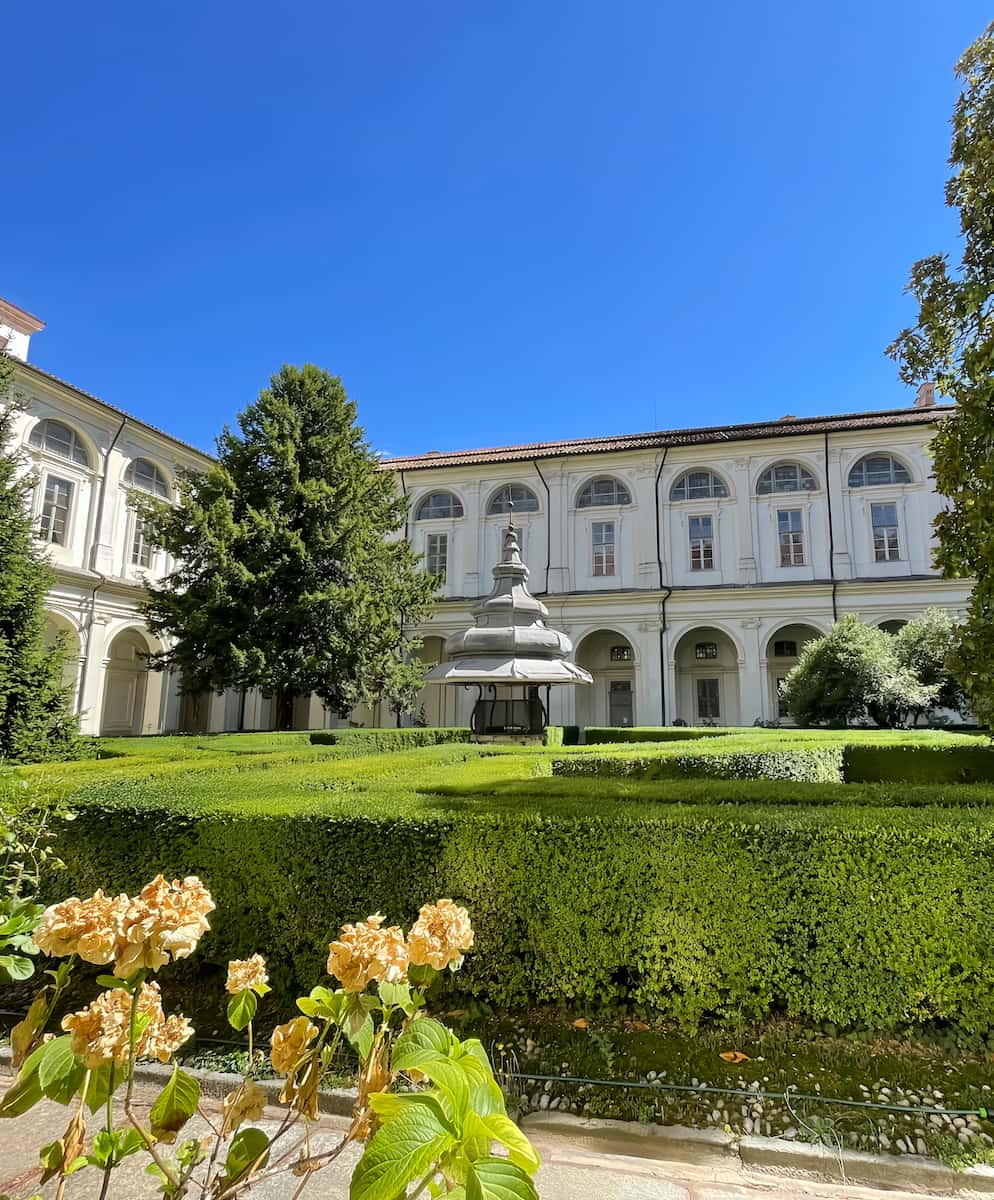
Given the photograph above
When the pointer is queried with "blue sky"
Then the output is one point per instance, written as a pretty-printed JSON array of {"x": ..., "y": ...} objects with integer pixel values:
[{"x": 503, "y": 222}]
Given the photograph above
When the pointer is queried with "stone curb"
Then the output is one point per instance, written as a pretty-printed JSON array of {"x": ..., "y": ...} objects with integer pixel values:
[
  {"x": 666, "y": 1143},
  {"x": 772, "y": 1157},
  {"x": 775, "y": 1156}
]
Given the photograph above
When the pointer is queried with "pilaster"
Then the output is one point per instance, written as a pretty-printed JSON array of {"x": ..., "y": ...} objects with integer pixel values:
[
  {"x": 91, "y": 698},
  {"x": 751, "y": 698}
]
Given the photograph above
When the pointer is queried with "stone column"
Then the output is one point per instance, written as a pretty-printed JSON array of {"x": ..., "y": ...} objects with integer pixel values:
[
  {"x": 173, "y": 703},
  {"x": 91, "y": 700},
  {"x": 469, "y": 530},
  {"x": 672, "y": 684},
  {"x": 557, "y": 531},
  {"x": 648, "y": 697},
  {"x": 752, "y": 702},
  {"x": 745, "y": 520},
  {"x": 215, "y": 712},
  {"x": 841, "y": 516}
]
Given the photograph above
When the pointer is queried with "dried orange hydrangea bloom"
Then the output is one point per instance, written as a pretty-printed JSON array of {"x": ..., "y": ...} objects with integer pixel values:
[
  {"x": 246, "y": 973},
  {"x": 440, "y": 935},
  {"x": 164, "y": 921},
  {"x": 245, "y": 1103},
  {"x": 289, "y": 1042},
  {"x": 365, "y": 953},
  {"x": 90, "y": 928},
  {"x": 100, "y": 1032}
]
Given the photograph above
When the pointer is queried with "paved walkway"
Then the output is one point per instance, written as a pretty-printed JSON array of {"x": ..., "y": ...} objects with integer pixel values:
[{"x": 569, "y": 1172}]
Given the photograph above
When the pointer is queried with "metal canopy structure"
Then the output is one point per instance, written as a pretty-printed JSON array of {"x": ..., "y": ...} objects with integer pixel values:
[{"x": 509, "y": 653}]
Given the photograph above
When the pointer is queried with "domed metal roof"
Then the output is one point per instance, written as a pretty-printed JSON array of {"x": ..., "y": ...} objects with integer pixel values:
[{"x": 510, "y": 641}]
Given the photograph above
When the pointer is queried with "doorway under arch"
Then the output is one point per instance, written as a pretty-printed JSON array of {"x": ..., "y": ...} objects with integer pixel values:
[
  {"x": 131, "y": 691},
  {"x": 610, "y": 699},
  {"x": 707, "y": 678},
  {"x": 782, "y": 651}
]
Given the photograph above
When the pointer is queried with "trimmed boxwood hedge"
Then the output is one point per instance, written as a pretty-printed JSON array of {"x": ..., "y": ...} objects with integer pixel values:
[
  {"x": 865, "y": 916},
  {"x": 920, "y": 764},
  {"x": 603, "y": 734},
  {"x": 810, "y": 764},
  {"x": 379, "y": 741}
]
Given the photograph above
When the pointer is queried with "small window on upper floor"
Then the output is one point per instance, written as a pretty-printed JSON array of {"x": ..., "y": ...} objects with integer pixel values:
[
  {"x": 699, "y": 485},
  {"x": 437, "y": 506},
  {"x": 706, "y": 650},
  {"x": 786, "y": 477},
  {"x": 602, "y": 493},
  {"x": 145, "y": 476},
  {"x": 513, "y": 498},
  {"x": 59, "y": 439},
  {"x": 877, "y": 470}
]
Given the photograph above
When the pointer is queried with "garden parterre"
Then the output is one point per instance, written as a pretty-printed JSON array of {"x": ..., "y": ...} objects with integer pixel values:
[{"x": 698, "y": 898}]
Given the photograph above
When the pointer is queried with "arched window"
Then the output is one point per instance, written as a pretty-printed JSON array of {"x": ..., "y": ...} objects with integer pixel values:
[
  {"x": 145, "y": 476},
  {"x": 786, "y": 477},
  {"x": 601, "y": 493},
  {"x": 61, "y": 440},
  {"x": 515, "y": 497},
  {"x": 699, "y": 485},
  {"x": 877, "y": 470},
  {"x": 438, "y": 505}
]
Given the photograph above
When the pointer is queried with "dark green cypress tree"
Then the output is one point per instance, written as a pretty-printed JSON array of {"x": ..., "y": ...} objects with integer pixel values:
[
  {"x": 36, "y": 717},
  {"x": 290, "y": 576}
]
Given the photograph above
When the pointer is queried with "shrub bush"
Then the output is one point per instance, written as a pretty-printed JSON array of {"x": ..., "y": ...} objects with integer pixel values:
[
  {"x": 867, "y": 916},
  {"x": 920, "y": 764},
  {"x": 812, "y": 764},
  {"x": 379, "y": 741},
  {"x": 598, "y": 734}
]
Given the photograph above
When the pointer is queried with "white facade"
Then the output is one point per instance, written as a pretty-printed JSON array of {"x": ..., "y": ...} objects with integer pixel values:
[
  {"x": 687, "y": 575},
  {"x": 698, "y": 564}
]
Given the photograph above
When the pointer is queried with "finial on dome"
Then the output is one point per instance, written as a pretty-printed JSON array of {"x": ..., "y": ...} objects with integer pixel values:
[{"x": 511, "y": 553}]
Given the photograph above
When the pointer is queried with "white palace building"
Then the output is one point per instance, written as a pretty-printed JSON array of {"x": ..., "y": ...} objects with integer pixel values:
[{"x": 688, "y": 567}]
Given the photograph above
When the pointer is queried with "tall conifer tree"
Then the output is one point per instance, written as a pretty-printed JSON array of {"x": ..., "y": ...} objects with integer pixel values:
[
  {"x": 291, "y": 576},
  {"x": 36, "y": 715}
]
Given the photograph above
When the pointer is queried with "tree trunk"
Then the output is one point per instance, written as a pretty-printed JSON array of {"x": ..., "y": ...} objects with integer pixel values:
[{"x": 284, "y": 710}]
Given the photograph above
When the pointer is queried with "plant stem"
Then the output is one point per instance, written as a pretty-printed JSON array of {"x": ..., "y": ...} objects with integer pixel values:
[
  {"x": 424, "y": 1183},
  {"x": 249, "y": 1068}
]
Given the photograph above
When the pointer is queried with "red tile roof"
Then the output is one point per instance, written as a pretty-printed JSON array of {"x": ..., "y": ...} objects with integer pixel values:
[{"x": 708, "y": 435}]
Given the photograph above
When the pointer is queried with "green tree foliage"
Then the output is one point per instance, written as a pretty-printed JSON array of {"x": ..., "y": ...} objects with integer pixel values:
[
  {"x": 852, "y": 672},
  {"x": 927, "y": 646},
  {"x": 952, "y": 343},
  {"x": 36, "y": 717},
  {"x": 288, "y": 576}
]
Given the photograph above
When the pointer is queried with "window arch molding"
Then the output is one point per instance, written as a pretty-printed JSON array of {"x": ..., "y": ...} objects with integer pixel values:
[
  {"x": 879, "y": 469},
  {"x": 145, "y": 475},
  {"x": 786, "y": 477},
  {"x": 58, "y": 438},
  {"x": 524, "y": 499},
  {"x": 439, "y": 505},
  {"x": 603, "y": 491},
  {"x": 699, "y": 484}
]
